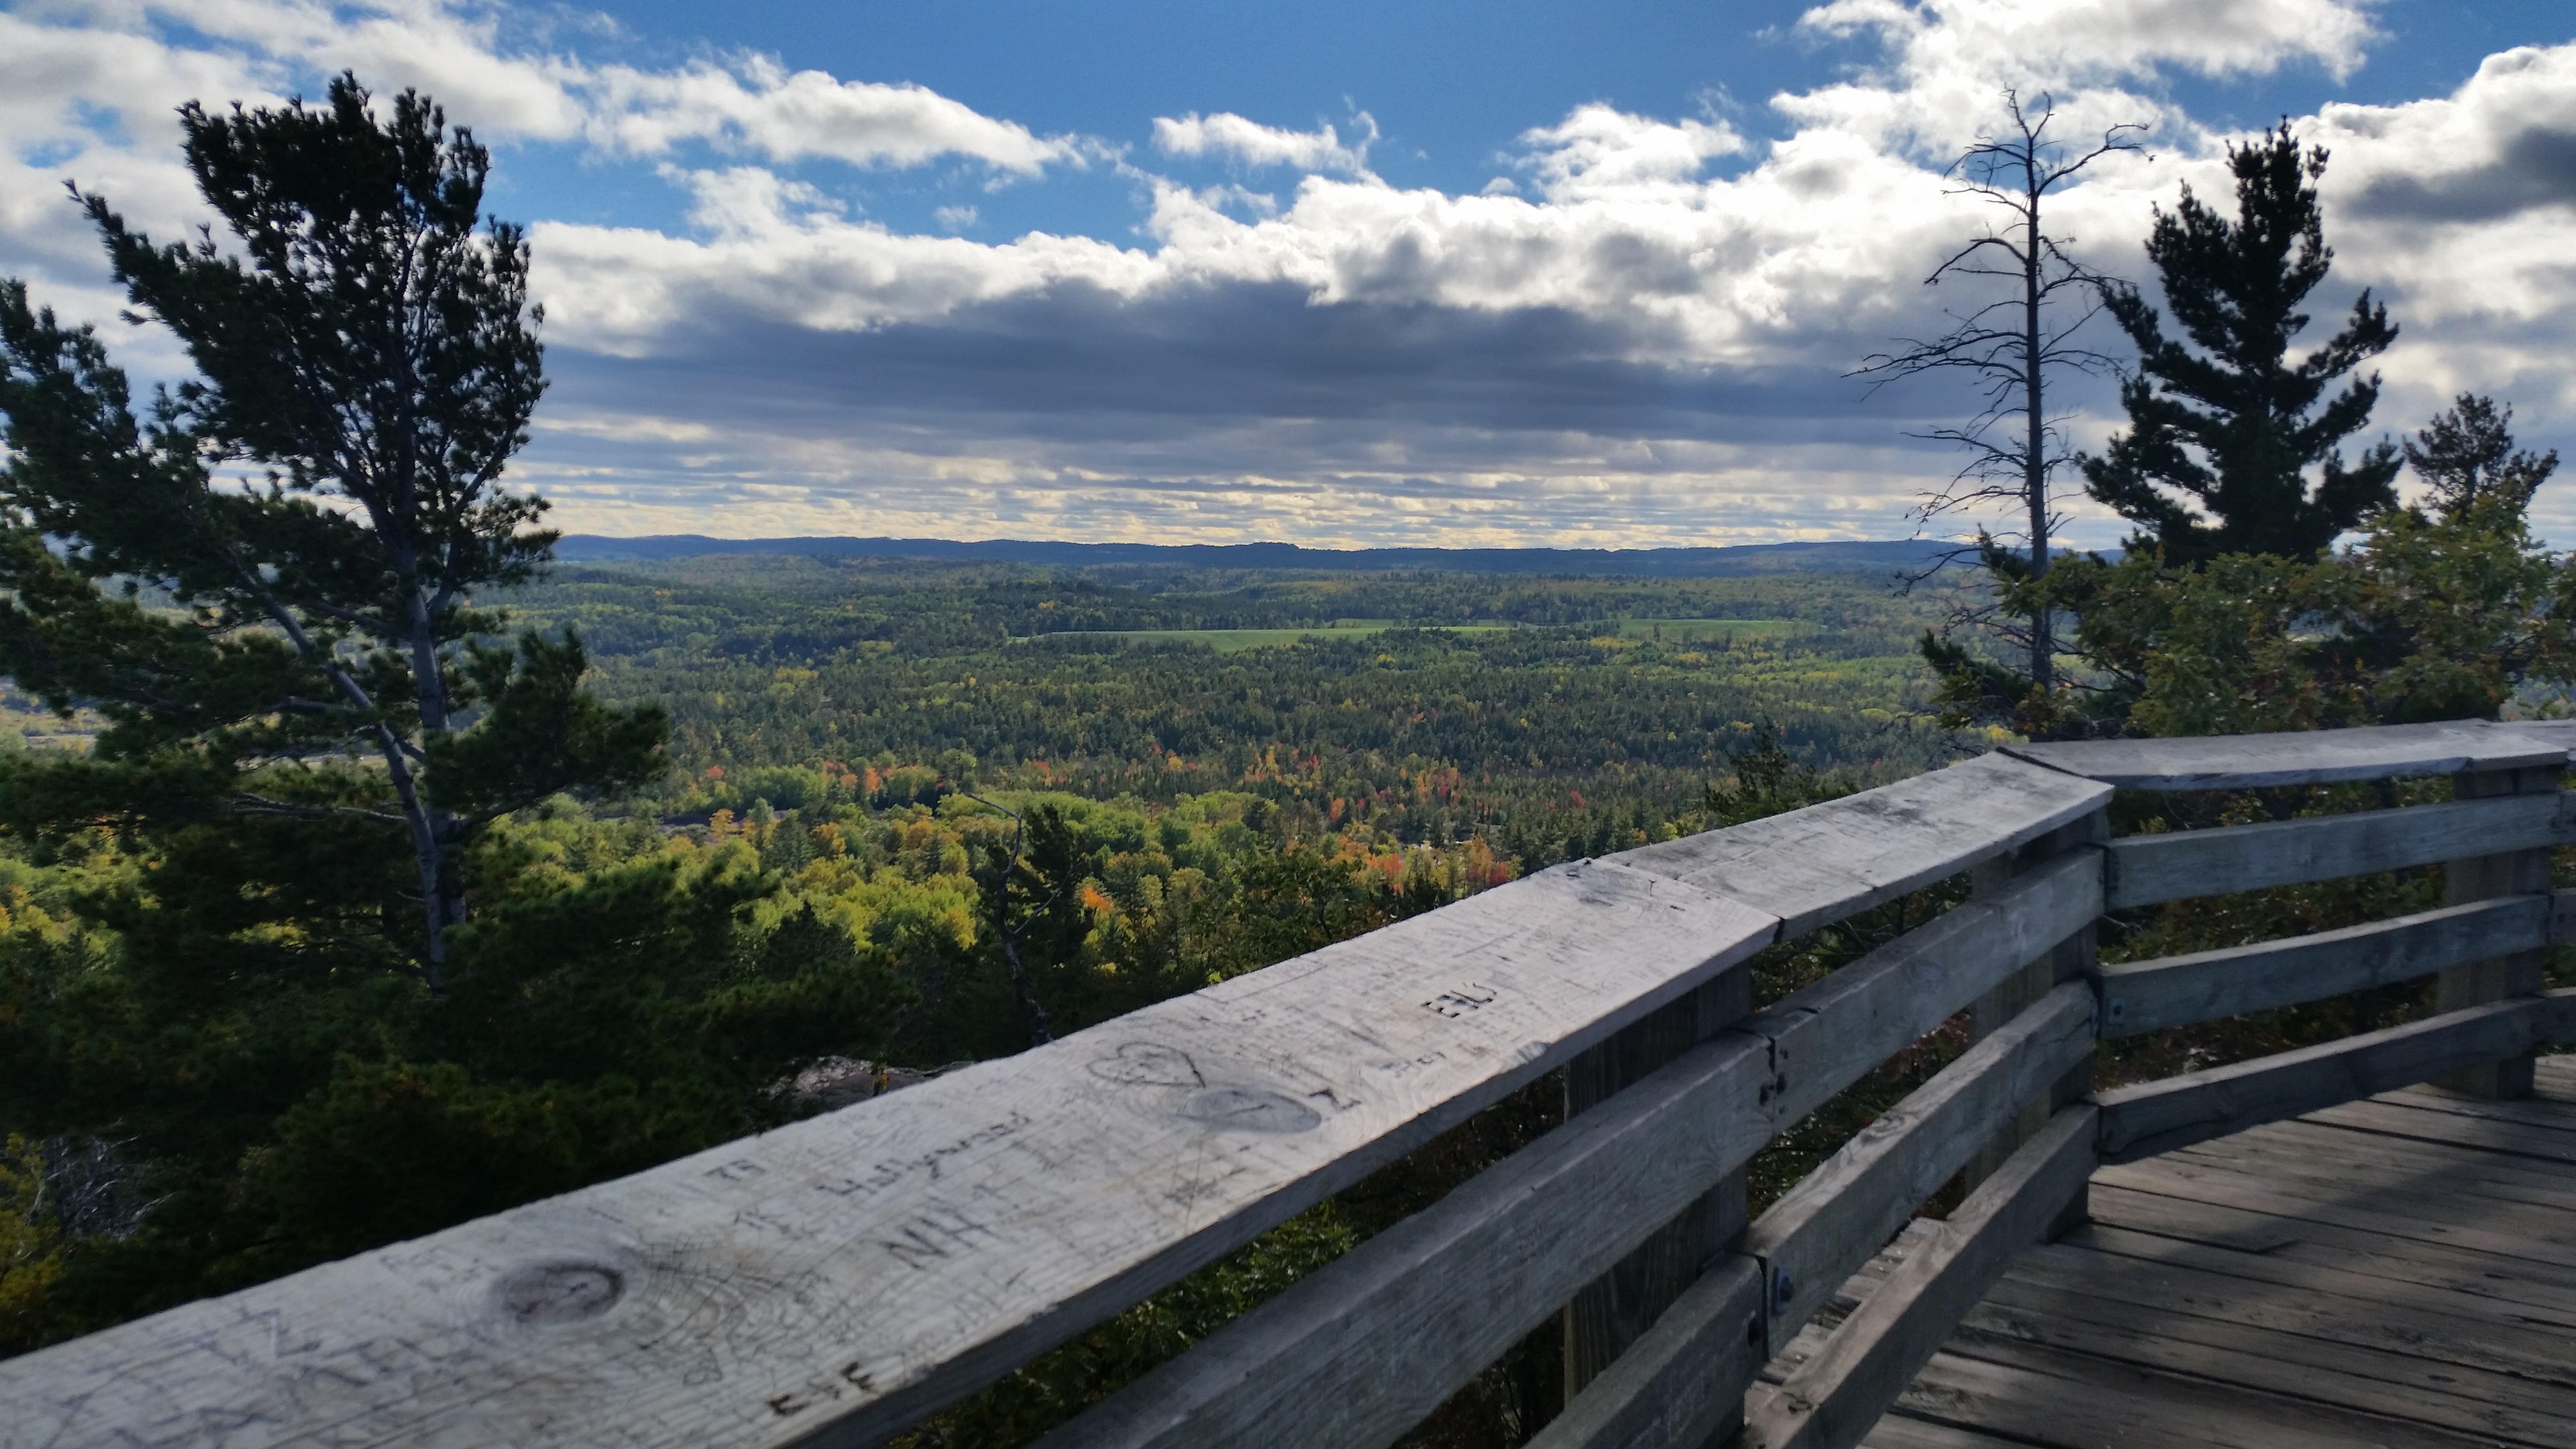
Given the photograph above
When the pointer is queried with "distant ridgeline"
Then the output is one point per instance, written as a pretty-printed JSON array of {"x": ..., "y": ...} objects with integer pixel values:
[{"x": 1737, "y": 561}]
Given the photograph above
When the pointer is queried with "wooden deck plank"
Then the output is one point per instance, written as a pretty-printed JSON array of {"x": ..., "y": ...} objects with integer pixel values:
[
  {"x": 1898, "y": 1432},
  {"x": 2084, "y": 1403},
  {"x": 2536, "y": 1230},
  {"x": 2464, "y": 1270},
  {"x": 2515, "y": 1148},
  {"x": 2471, "y": 1342},
  {"x": 2457, "y": 1129},
  {"x": 2256, "y": 1195},
  {"x": 2392, "y": 1162},
  {"x": 2328, "y": 1143},
  {"x": 2417, "y": 1301},
  {"x": 2012, "y": 1329},
  {"x": 2546, "y": 1116},
  {"x": 2302, "y": 1283},
  {"x": 2172, "y": 1338},
  {"x": 2555, "y": 1078}
]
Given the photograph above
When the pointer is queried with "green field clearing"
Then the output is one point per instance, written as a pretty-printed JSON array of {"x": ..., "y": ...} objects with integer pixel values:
[
  {"x": 1231, "y": 641},
  {"x": 1676, "y": 631}
]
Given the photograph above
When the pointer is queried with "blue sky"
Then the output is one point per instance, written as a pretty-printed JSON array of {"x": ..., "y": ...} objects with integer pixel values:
[
  {"x": 1334, "y": 273},
  {"x": 1452, "y": 85}
]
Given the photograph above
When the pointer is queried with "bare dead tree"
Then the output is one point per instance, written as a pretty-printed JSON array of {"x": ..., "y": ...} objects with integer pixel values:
[{"x": 2012, "y": 347}]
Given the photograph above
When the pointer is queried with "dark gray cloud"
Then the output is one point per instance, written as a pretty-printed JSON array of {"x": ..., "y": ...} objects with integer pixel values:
[
  {"x": 2536, "y": 168},
  {"x": 1079, "y": 364}
]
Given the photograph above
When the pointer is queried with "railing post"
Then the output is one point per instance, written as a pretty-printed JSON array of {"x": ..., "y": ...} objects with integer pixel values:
[
  {"x": 1610, "y": 1314},
  {"x": 2072, "y": 959},
  {"x": 2483, "y": 877}
]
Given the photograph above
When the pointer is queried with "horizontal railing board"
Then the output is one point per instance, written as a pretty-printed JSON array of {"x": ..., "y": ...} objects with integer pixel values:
[
  {"x": 2147, "y": 869},
  {"x": 1815, "y": 866},
  {"x": 1844, "y": 1211},
  {"x": 2145, "y": 996},
  {"x": 2154, "y": 1117},
  {"x": 1659, "y": 1396},
  {"x": 1844, "y": 1025},
  {"x": 1832, "y": 1400},
  {"x": 2308, "y": 757},
  {"x": 1359, "y": 1351},
  {"x": 855, "y": 1272},
  {"x": 1682, "y": 1383}
]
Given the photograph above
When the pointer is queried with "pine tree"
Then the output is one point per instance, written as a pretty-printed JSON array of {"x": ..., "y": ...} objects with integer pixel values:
[
  {"x": 2467, "y": 458},
  {"x": 302, "y": 649},
  {"x": 2224, "y": 431}
]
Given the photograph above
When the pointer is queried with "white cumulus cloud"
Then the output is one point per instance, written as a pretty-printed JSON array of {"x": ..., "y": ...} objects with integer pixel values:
[
  {"x": 758, "y": 105},
  {"x": 1249, "y": 142},
  {"x": 1636, "y": 335}
]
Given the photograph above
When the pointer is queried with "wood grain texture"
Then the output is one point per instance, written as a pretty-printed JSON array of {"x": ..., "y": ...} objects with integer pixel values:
[
  {"x": 2314, "y": 757},
  {"x": 2145, "y": 996},
  {"x": 2548, "y": 1333},
  {"x": 2500, "y": 974},
  {"x": 2072, "y": 959},
  {"x": 2388, "y": 1302},
  {"x": 1681, "y": 1384},
  {"x": 1815, "y": 866},
  {"x": 2084, "y": 1403},
  {"x": 2432, "y": 1112},
  {"x": 2395, "y": 1116},
  {"x": 1356, "y": 1353},
  {"x": 2146, "y": 869},
  {"x": 2155, "y": 1117},
  {"x": 2463, "y": 1270},
  {"x": 1839, "y": 1215},
  {"x": 2400, "y": 1219},
  {"x": 2394, "y": 1165},
  {"x": 2043, "y": 1329},
  {"x": 2470, "y": 1341},
  {"x": 1611, "y": 1312},
  {"x": 1864, "y": 1012},
  {"x": 1825, "y": 1229},
  {"x": 1832, "y": 1400},
  {"x": 840, "y": 1278}
]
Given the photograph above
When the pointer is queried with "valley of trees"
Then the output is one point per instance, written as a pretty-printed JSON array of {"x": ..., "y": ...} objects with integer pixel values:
[{"x": 370, "y": 875}]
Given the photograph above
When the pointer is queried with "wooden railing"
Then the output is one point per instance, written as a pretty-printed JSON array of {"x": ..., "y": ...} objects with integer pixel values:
[{"x": 839, "y": 1280}]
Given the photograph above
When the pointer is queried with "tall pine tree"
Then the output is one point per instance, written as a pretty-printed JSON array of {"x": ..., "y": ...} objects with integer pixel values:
[
  {"x": 301, "y": 650},
  {"x": 2226, "y": 430}
]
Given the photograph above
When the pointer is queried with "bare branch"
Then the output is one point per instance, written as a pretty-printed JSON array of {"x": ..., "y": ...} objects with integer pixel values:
[{"x": 2010, "y": 347}]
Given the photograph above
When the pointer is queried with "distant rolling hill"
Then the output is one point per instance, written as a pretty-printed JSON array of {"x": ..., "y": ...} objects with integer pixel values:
[{"x": 1736, "y": 561}]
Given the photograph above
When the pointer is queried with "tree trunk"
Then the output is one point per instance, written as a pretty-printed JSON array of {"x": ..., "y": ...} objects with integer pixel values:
[{"x": 2043, "y": 650}]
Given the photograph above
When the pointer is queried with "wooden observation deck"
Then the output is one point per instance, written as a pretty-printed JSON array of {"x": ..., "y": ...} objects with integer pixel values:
[
  {"x": 2399, "y": 1271},
  {"x": 2305, "y": 1249}
]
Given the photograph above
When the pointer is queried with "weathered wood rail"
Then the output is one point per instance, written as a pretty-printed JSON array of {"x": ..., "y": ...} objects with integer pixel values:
[{"x": 837, "y": 1281}]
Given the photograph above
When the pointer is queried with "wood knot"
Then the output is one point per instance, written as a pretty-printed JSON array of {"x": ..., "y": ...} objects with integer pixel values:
[
  {"x": 562, "y": 1292},
  {"x": 1249, "y": 1109}
]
